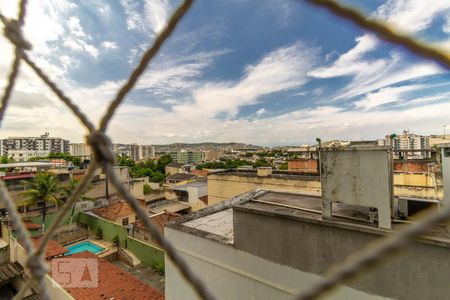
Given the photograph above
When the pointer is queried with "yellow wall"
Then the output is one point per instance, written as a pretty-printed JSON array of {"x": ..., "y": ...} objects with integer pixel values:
[
  {"x": 226, "y": 186},
  {"x": 222, "y": 187},
  {"x": 414, "y": 179}
]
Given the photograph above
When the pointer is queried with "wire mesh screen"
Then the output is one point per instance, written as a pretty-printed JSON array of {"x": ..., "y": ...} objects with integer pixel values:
[{"x": 104, "y": 157}]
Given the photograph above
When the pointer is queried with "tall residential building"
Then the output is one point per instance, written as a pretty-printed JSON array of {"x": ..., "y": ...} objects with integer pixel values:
[
  {"x": 80, "y": 149},
  {"x": 211, "y": 155},
  {"x": 146, "y": 151},
  {"x": 186, "y": 157},
  {"x": 407, "y": 145},
  {"x": 42, "y": 143},
  {"x": 134, "y": 152}
]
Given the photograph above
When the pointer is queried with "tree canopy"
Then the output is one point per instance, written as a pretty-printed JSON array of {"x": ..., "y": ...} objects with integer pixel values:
[
  {"x": 154, "y": 170},
  {"x": 42, "y": 189}
]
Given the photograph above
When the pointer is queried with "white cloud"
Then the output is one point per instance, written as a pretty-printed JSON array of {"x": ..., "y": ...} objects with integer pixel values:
[
  {"x": 172, "y": 75},
  {"x": 412, "y": 15},
  {"x": 152, "y": 16},
  {"x": 156, "y": 13},
  {"x": 351, "y": 62},
  {"x": 280, "y": 70},
  {"x": 370, "y": 74},
  {"x": 385, "y": 96},
  {"x": 109, "y": 45},
  {"x": 81, "y": 46},
  {"x": 75, "y": 28},
  {"x": 79, "y": 40},
  {"x": 261, "y": 112}
]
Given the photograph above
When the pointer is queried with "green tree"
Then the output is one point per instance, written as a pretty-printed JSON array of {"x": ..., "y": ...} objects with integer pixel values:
[
  {"x": 125, "y": 161},
  {"x": 261, "y": 163},
  {"x": 163, "y": 161},
  {"x": 66, "y": 156},
  {"x": 42, "y": 189},
  {"x": 5, "y": 159},
  {"x": 68, "y": 189},
  {"x": 147, "y": 189},
  {"x": 284, "y": 166}
]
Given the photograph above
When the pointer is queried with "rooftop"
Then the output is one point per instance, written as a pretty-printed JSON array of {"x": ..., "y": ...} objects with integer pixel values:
[
  {"x": 113, "y": 283},
  {"x": 184, "y": 187},
  {"x": 181, "y": 176},
  {"x": 219, "y": 223},
  {"x": 114, "y": 211},
  {"x": 27, "y": 164},
  {"x": 200, "y": 172},
  {"x": 175, "y": 165},
  {"x": 28, "y": 225},
  {"x": 53, "y": 249},
  {"x": 172, "y": 206},
  {"x": 216, "y": 222},
  {"x": 159, "y": 219}
]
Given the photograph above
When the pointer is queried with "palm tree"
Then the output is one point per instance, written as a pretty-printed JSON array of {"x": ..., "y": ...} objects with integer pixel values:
[
  {"x": 69, "y": 189},
  {"x": 43, "y": 188}
]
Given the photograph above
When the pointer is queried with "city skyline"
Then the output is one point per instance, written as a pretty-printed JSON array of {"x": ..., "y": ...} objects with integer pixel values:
[{"x": 226, "y": 75}]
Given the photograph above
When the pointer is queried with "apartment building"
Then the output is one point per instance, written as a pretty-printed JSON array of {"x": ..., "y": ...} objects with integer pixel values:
[
  {"x": 146, "y": 151},
  {"x": 134, "y": 152},
  {"x": 212, "y": 155},
  {"x": 274, "y": 245},
  {"x": 407, "y": 145},
  {"x": 186, "y": 157},
  {"x": 42, "y": 143},
  {"x": 80, "y": 149}
]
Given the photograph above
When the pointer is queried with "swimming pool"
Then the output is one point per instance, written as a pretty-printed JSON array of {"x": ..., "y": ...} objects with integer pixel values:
[{"x": 84, "y": 246}]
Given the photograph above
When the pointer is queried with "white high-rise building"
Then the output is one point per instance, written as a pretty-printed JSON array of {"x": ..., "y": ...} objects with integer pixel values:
[
  {"x": 407, "y": 141},
  {"x": 146, "y": 151},
  {"x": 80, "y": 149},
  {"x": 134, "y": 152},
  {"x": 42, "y": 143}
]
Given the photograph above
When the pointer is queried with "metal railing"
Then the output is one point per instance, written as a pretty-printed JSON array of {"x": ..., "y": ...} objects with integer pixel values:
[{"x": 104, "y": 157}]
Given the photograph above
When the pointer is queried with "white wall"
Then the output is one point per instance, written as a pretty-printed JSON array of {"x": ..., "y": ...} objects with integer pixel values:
[
  {"x": 196, "y": 192},
  {"x": 18, "y": 253},
  {"x": 233, "y": 274}
]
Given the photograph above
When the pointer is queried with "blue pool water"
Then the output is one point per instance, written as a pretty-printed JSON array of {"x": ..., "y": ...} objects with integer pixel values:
[{"x": 84, "y": 246}]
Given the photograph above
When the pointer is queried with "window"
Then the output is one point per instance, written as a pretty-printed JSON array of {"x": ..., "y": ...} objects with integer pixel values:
[{"x": 125, "y": 222}]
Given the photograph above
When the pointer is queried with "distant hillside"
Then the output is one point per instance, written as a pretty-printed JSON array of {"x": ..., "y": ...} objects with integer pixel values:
[{"x": 203, "y": 146}]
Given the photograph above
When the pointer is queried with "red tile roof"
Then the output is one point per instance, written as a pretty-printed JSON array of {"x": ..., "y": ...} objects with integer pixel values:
[
  {"x": 18, "y": 176},
  {"x": 28, "y": 225},
  {"x": 53, "y": 248},
  {"x": 202, "y": 173},
  {"x": 159, "y": 219},
  {"x": 114, "y": 211},
  {"x": 113, "y": 283}
]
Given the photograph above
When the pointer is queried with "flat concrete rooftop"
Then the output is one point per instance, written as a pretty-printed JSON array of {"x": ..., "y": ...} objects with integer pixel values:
[
  {"x": 220, "y": 223},
  {"x": 216, "y": 222}
]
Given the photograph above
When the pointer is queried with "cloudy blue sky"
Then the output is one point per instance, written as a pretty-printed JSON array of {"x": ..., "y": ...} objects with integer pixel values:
[{"x": 267, "y": 72}]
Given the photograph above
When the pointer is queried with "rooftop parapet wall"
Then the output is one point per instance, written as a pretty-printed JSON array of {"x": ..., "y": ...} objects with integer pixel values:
[{"x": 285, "y": 236}]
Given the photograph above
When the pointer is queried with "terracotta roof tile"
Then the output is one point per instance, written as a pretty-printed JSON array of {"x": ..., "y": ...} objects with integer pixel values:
[
  {"x": 53, "y": 248},
  {"x": 28, "y": 225},
  {"x": 113, "y": 283},
  {"x": 202, "y": 173},
  {"x": 114, "y": 211},
  {"x": 159, "y": 219}
]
